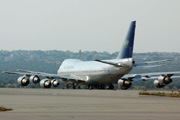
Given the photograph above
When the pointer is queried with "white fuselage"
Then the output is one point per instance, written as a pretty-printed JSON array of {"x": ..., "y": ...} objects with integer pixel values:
[{"x": 93, "y": 72}]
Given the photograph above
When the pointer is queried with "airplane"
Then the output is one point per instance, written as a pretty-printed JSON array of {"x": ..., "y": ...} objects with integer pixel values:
[{"x": 99, "y": 73}]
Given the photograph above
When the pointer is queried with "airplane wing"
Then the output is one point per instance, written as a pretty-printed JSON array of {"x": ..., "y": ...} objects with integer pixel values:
[
  {"x": 50, "y": 79},
  {"x": 148, "y": 76},
  {"x": 156, "y": 77},
  {"x": 161, "y": 79},
  {"x": 160, "y": 73},
  {"x": 28, "y": 73}
]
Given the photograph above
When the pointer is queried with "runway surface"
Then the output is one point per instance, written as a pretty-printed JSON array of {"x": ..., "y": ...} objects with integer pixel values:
[{"x": 58, "y": 104}]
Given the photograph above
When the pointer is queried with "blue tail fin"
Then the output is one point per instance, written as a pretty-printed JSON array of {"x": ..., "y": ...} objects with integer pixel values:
[{"x": 127, "y": 48}]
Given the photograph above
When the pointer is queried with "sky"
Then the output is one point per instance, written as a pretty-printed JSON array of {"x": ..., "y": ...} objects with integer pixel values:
[{"x": 89, "y": 25}]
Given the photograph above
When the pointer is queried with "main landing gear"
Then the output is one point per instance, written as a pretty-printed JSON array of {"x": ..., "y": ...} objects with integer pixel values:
[
  {"x": 73, "y": 85},
  {"x": 102, "y": 87}
]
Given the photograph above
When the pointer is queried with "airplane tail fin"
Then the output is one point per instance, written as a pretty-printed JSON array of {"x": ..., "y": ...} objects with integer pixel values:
[{"x": 127, "y": 48}]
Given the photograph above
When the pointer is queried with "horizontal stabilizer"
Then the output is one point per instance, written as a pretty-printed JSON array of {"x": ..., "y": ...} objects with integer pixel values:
[
  {"x": 151, "y": 62},
  {"x": 110, "y": 63},
  {"x": 146, "y": 67}
]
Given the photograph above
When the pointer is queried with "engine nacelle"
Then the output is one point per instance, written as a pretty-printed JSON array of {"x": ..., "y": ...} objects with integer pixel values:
[
  {"x": 34, "y": 79},
  {"x": 55, "y": 83},
  {"x": 162, "y": 81},
  {"x": 157, "y": 84},
  {"x": 45, "y": 83},
  {"x": 124, "y": 84},
  {"x": 23, "y": 81}
]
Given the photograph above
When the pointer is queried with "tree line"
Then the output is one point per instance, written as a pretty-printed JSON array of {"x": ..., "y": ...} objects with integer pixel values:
[{"x": 49, "y": 61}]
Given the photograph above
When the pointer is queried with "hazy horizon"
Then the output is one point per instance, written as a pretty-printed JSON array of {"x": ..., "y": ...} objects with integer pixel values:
[{"x": 86, "y": 51}]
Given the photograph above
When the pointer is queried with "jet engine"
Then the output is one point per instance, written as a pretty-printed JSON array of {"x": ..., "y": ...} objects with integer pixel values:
[
  {"x": 34, "y": 79},
  {"x": 45, "y": 83},
  {"x": 23, "y": 81},
  {"x": 55, "y": 83},
  {"x": 124, "y": 84},
  {"x": 162, "y": 81}
]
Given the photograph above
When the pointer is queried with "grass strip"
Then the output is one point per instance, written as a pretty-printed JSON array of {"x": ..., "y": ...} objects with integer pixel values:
[
  {"x": 160, "y": 94},
  {"x": 5, "y": 109}
]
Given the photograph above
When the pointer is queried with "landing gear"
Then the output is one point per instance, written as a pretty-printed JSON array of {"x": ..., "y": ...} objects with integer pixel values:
[
  {"x": 111, "y": 87},
  {"x": 89, "y": 87},
  {"x": 67, "y": 86},
  {"x": 101, "y": 87},
  {"x": 73, "y": 85}
]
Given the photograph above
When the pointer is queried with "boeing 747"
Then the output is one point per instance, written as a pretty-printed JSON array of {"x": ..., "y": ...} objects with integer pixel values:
[{"x": 99, "y": 73}]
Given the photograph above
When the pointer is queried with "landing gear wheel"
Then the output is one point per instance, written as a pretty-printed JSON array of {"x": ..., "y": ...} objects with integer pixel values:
[
  {"x": 89, "y": 87},
  {"x": 111, "y": 86},
  {"x": 74, "y": 87}
]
